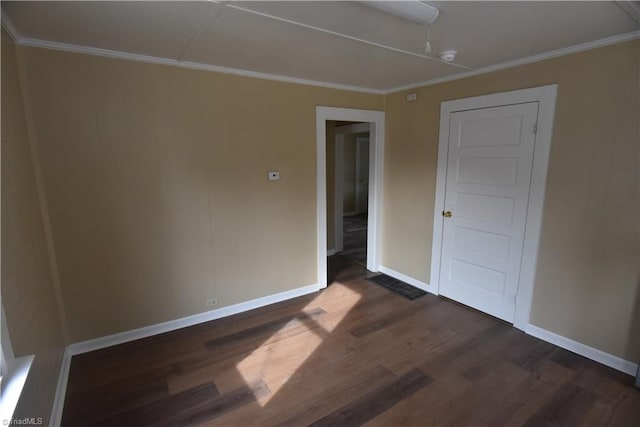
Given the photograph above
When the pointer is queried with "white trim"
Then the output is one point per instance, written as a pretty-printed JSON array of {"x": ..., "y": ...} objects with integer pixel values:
[
  {"x": 6, "y": 348},
  {"x": 55, "y": 419},
  {"x": 7, "y": 24},
  {"x": 376, "y": 147},
  {"x": 66, "y": 47},
  {"x": 407, "y": 279},
  {"x": 14, "y": 372},
  {"x": 523, "y": 61},
  {"x": 441, "y": 180},
  {"x": 13, "y": 384},
  {"x": 147, "y": 331},
  {"x": 546, "y": 96},
  {"x": 86, "y": 50},
  {"x": 358, "y": 187},
  {"x": 321, "y": 197},
  {"x": 331, "y": 252},
  {"x": 599, "y": 356},
  {"x": 374, "y": 214},
  {"x": 172, "y": 325},
  {"x": 338, "y": 191},
  {"x": 56, "y": 413}
]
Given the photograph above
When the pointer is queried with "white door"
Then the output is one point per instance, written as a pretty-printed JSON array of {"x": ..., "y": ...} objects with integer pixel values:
[
  {"x": 362, "y": 174},
  {"x": 490, "y": 155}
]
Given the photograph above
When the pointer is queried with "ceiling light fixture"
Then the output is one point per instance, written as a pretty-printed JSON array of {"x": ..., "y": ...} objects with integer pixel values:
[{"x": 415, "y": 11}]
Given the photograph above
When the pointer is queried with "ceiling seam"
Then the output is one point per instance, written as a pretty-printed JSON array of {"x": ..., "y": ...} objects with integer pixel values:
[
  {"x": 114, "y": 54},
  {"x": 346, "y": 36},
  {"x": 630, "y": 10},
  {"x": 44, "y": 44},
  {"x": 216, "y": 12},
  {"x": 621, "y": 38}
]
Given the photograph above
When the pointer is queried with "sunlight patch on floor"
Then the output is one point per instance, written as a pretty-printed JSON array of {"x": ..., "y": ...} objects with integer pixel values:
[{"x": 275, "y": 365}]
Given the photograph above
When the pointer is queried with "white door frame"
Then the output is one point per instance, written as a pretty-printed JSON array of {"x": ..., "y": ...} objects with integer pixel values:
[
  {"x": 546, "y": 96},
  {"x": 338, "y": 188},
  {"x": 376, "y": 152},
  {"x": 358, "y": 193}
]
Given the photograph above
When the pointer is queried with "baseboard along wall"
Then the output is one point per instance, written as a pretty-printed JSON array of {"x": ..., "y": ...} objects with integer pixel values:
[
  {"x": 583, "y": 349},
  {"x": 599, "y": 356},
  {"x": 147, "y": 331},
  {"x": 407, "y": 279}
]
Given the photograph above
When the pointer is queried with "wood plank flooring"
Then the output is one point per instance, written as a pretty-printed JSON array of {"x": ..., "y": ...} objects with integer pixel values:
[
  {"x": 354, "y": 354},
  {"x": 354, "y": 237}
]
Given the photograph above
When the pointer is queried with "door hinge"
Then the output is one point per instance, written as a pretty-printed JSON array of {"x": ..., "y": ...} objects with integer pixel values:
[{"x": 535, "y": 127}]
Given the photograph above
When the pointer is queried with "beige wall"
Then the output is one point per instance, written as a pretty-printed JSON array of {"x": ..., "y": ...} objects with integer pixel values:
[
  {"x": 156, "y": 184},
  {"x": 156, "y": 179},
  {"x": 587, "y": 275},
  {"x": 27, "y": 286}
]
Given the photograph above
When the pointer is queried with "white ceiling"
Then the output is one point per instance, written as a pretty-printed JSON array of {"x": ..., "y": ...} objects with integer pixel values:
[{"x": 339, "y": 43}]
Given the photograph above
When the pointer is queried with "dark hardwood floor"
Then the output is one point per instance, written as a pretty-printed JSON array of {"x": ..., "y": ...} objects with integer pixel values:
[
  {"x": 353, "y": 354},
  {"x": 354, "y": 238}
]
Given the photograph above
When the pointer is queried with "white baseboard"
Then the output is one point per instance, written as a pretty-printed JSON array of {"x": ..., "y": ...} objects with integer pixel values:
[
  {"x": 15, "y": 373},
  {"x": 331, "y": 252},
  {"x": 55, "y": 418},
  {"x": 147, "y": 331},
  {"x": 407, "y": 279},
  {"x": 583, "y": 349}
]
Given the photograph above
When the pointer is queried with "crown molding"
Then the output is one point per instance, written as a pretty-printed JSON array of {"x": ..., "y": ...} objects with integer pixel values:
[
  {"x": 114, "y": 54},
  {"x": 66, "y": 47},
  {"x": 523, "y": 61},
  {"x": 7, "y": 24}
]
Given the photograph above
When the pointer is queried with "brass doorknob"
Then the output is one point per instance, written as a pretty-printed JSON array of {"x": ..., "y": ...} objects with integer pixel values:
[{"x": 446, "y": 214}]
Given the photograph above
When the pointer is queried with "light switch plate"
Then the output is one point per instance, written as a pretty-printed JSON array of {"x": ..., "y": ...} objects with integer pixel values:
[{"x": 273, "y": 175}]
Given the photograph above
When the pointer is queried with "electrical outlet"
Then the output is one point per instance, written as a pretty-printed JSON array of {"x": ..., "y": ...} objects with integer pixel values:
[{"x": 211, "y": 302}]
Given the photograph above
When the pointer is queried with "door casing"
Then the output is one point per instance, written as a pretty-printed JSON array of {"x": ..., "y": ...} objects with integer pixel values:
[
  {"x": 546, "y": 96},
  {"x": 360, "y": 205},
  {"x": 376, "y": 152}
]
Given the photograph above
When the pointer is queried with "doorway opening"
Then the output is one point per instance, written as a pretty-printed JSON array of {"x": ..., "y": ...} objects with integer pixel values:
[
  {"x": 351, "y": 188},
  {"x": 349, "y": 152},
  {"x": 348, "y": 189}
]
